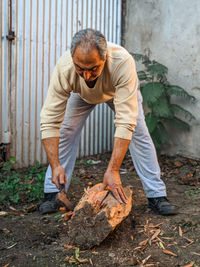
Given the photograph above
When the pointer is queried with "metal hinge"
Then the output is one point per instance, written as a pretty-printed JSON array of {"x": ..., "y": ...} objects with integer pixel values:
[{"x": 10, "y": 36}]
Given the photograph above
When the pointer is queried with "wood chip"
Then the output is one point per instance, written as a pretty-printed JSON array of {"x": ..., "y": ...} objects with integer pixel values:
[
  {"x": 144, "y": 242},
  {"x": 188, "y": 244},
  {"x": 3, "y": 213},
  {"x": 195, "y": 253},
  {"x": 180, "y": 231},
  {"x": 145, "y": 261},
  {"x": 168, "y": 252},
  {"x": 62, "y": 209},
  {"x": 91, "y": 262},
  {"x": 167, "y": 238},
  {"x": 155, "y": 226},
  {"x": 11, "y": 208},
  {"x": 190, "y": 264},
  {"x": 161, "y": 245},
  {"x": 67, "y": 247},
  {"x": 67, "y": 215},
  {"x": 189, "y": 240},
  {"x": 157, "y": 232},
  {"x": 136, "y": 248},
  {"x": 6, "y": 231},
  {"x": 12, "y": 246}
]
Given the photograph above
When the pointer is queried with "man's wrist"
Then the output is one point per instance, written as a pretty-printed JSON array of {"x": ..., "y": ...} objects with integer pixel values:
[{"x": 55, "y": 165}]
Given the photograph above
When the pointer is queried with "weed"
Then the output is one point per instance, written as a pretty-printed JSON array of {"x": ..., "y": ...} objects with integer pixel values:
[
  {"x": 15, "y": 186},
  {"x": 57, "y": 217},
  {"x": 77, "y": 253},
  {"x": 193, "y": 192}
]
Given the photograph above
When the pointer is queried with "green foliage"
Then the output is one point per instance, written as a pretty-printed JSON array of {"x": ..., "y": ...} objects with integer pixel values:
[
  {"x": 26, "y": 186},
  {"x": 157, "y": 93}
]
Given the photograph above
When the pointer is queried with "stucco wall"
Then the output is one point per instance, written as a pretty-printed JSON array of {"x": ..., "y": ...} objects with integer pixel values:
[{"x": 169, "y": 32}]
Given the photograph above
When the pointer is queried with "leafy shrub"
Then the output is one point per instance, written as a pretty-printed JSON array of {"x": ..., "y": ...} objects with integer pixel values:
[{"x": 157, "y": 92}]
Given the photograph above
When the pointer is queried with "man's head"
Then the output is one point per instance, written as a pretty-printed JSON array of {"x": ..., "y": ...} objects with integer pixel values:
[{"x": 88, "y": 50}]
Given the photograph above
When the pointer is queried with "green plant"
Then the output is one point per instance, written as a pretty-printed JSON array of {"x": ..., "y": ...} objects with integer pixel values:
[
  {"x": 157, "y": 93},
  {"x": 21, "y": 186}
]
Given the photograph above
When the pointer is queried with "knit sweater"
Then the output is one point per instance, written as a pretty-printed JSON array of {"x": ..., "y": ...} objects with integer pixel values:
[{"x": 118, "y": 81}]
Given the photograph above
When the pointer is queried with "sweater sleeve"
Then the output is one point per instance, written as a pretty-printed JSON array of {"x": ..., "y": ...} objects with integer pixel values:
[
  {"x": 125, "y": 100},
  {"x": 53, "y": 110}
]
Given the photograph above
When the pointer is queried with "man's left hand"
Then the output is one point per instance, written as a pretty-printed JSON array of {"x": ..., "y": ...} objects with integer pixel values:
[{"x": 113, "y": 181}]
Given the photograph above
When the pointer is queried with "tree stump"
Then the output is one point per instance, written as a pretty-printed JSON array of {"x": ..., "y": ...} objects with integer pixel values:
[{"x": 96, "y": 215}]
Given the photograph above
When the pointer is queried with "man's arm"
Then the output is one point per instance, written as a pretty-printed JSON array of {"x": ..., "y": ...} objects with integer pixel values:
[
  {"x": 112, "y": 176},
  {"x": 58, "y": 173}
]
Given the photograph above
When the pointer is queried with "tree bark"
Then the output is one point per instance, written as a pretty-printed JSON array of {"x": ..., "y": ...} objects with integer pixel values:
[{"x": 96, "y": 216}]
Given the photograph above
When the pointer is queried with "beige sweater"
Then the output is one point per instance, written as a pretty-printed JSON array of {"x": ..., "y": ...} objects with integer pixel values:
[{"x": 118, "y": 80}]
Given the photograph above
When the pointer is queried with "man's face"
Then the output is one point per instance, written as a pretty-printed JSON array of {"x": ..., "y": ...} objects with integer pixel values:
[{"x": 88, "y": 65}]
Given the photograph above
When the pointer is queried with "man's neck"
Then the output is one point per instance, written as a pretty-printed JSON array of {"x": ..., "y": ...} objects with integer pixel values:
[{"x": 91, "y": 84}]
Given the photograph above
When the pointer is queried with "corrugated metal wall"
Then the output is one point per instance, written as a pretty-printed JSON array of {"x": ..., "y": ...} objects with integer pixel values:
[
  {"x": 4, "y": 74},
  {"x": 44, "y": 30}
]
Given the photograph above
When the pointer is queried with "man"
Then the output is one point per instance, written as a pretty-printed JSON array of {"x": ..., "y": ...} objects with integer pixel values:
[{"x": 94, "y": 72}]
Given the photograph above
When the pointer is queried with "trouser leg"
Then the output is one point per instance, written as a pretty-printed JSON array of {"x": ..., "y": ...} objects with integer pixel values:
[
  {"x": 76, "y": 114},
  {"x": 144, "y": 156}
]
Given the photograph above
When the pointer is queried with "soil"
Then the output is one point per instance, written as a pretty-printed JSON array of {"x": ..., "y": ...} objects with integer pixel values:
[{"x": 142, "y": 239}]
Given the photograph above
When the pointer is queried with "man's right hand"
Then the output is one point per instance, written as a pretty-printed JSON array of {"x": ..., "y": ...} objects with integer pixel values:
[{"x": 58, "y": 176}]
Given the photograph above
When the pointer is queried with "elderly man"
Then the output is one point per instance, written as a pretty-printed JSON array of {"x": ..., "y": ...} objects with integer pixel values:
[{"x": 94, "y": 72}]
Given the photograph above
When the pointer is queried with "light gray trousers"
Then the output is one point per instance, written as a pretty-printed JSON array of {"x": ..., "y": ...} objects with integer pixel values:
[{"x": 141, "y": 148}]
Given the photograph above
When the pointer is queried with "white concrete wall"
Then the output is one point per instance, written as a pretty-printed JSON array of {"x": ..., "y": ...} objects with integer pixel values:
[{"x": 169, "y": 32}]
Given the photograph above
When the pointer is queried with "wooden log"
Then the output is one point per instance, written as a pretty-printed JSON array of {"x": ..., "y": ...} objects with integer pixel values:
[{"x": 96, "y": 215}]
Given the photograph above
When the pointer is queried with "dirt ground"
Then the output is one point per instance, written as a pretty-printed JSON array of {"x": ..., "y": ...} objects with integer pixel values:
[{"x": 142, "y": 239}]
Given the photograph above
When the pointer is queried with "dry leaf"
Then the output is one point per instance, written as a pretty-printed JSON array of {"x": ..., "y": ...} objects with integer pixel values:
[
  {"x": 168, "y": 252},
  {"x": 180, "y": 231},
  {"x": 6, "y": 265},
  {"x": 190, "y": 264},
  {"x": 178, "y": 163}
]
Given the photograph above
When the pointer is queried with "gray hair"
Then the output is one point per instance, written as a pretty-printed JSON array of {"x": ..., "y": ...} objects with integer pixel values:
[{"x": 89, "y": 39}]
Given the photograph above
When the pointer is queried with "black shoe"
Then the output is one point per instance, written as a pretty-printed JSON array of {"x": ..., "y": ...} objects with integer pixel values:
[
  {"x": 50, "y": 204},
  {"x": 161, "y": 205}
]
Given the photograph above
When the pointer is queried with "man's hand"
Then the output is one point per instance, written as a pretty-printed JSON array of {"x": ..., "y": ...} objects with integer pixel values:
[
  {"x": 58, "y": 176},
  {"x": 113, "y": 181},
  {"x": 111, "y": 176}
]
